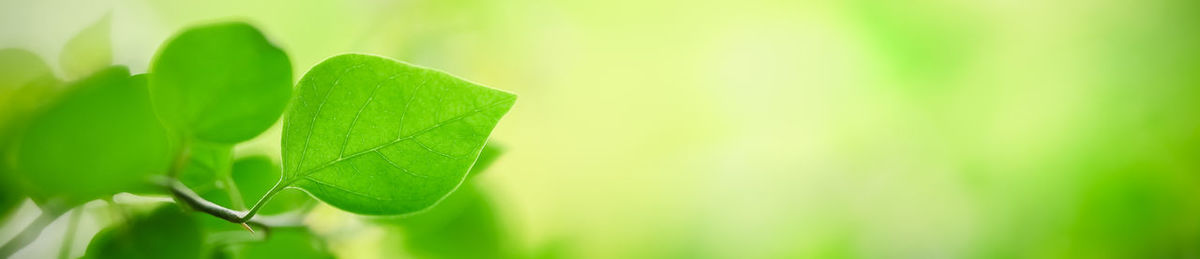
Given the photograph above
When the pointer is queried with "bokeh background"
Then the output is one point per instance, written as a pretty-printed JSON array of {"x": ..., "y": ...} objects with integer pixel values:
[{"x": 767, "y": 129}]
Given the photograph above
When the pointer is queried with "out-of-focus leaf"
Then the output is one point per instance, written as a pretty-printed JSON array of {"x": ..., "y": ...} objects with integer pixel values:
[
  {"x": 89, "y": 51},
  {"x": 26, "y": 83},
  {"x": 18, "y": 67},
  {"x": 372, "y": 135},
  {"x": 223, "y": 83},
  {"x": 490, "y": 152},
  {"x": 288, "y": 242},
  {"x": 98, "y": 139},
  {"x": 462, "y": 226},
  {"x": 166, "y": 232},
  {"x": 207, "y": 163}
]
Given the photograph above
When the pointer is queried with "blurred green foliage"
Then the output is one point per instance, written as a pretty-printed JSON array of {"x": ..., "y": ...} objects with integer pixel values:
[
  {"x": 754, "y": 128},
  {"x": 164, "y": 232},
  {"x": 104, "y": 126}
]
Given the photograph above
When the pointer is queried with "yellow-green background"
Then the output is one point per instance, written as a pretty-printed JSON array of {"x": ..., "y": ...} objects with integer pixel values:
[{"x": 771, "y": 129}]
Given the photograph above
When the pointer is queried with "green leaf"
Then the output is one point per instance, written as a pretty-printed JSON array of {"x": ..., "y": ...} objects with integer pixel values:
[
  {"x": 371, "y": 135},
  {"x": 89, "y": 51},
  {"x": 289, "y": 242},
  {"x": 222, "y": 83},
  {"x": 464, "y": 225},
  {"x": 166, "y": 232},
  {"x": 99, "y": 139}
]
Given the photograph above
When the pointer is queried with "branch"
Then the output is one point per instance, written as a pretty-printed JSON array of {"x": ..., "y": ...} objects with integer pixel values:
[
  {"x": 187, "y": 196},
  {"x": 183, "y": 194},
  {"x": 30, "y": 233},
  {"x": 68, "y": 241}
]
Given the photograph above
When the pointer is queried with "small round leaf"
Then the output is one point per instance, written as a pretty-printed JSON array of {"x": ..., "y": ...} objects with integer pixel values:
[{"x": 222, "y": 83}]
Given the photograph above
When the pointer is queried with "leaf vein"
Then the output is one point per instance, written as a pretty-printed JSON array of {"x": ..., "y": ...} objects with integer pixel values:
[
  {"x": 389, "y": 161},
  {"x": 313, "y": 122},
  {"x": 364, "y": 195},
  {"x": 418, "y": 141},
  {"x": 346, "y": 140},
  {"x": 404, "y": 113},
  {"x": 401, "y": 139}
]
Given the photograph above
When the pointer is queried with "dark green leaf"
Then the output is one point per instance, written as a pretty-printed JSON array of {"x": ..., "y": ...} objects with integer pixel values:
[
  {"x": 222, "y": 83},
  {"x": 289, "y": 243},
  {"x": 372, "y": 135},
  {"x": 10, "y": 198},
  {"x": 99, "y": 139},
  {"x": 166, "y": 232}
]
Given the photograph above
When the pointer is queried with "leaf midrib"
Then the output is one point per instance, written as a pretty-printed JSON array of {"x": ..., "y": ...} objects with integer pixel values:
[{"x": 306, "y": 173}]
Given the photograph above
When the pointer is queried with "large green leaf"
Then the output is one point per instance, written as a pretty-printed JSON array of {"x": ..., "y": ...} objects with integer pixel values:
[
  {"x": 372, "y": 135},
  {"x": 99, "y": 139},
  {"x": 222, "y": 83},
  {"x": 166, "y": 232},
  {"x": 88, "y": 51}
]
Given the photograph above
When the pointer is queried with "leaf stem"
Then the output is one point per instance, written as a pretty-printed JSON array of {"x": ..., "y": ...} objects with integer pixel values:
[
  {"x": 189, "y": 197},
  {"x": 183, "y": 194},
  {"x": 263, "y": 201},
  {"x": 185, "y": 153},
  {"x": 30, "y": 233}
]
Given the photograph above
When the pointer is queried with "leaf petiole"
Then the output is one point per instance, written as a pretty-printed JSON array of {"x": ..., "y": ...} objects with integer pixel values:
[{"x": 263, "y": 201}]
